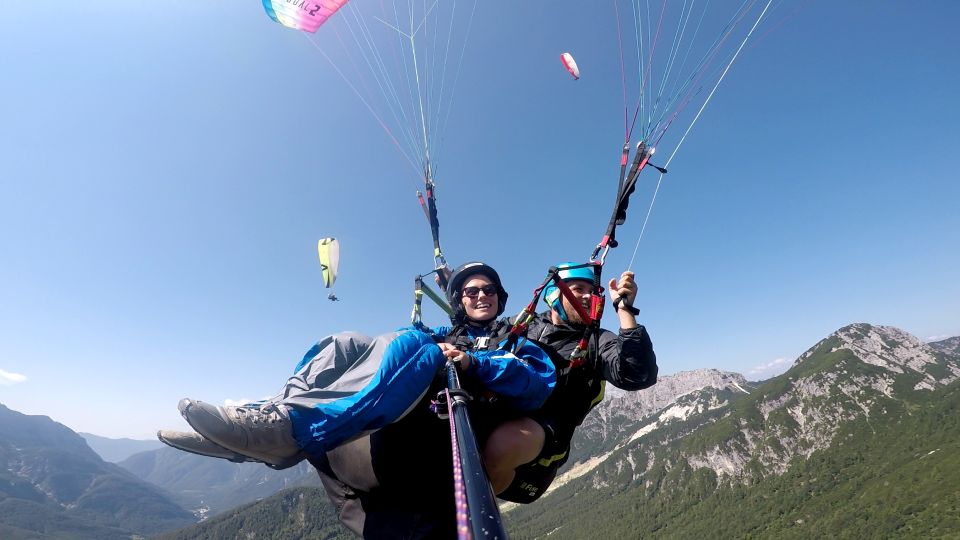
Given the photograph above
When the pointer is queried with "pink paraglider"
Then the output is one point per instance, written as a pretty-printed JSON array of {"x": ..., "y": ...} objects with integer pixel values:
[{"x": 570, "y": 64}]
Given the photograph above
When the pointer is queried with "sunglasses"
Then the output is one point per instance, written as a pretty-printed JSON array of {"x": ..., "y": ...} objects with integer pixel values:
[{"x": 473, "y": 292}]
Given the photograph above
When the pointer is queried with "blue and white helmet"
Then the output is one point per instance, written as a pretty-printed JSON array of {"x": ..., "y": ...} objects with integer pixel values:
[{"x": 552, "y": 294}]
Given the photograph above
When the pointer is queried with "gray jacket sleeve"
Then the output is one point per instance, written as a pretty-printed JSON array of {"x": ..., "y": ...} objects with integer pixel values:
[{"x": 627, "y": 359}]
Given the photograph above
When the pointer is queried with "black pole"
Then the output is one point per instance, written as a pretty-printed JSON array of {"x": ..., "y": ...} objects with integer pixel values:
[{"x": 484, "y": 514}]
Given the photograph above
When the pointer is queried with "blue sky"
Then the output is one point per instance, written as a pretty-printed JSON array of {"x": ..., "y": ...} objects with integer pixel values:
[{"x": 167, "y": 168}]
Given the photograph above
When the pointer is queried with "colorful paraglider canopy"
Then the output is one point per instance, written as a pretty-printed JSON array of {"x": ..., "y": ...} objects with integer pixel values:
[
  {"x": 570, "y": 64},
  {"x": 329, "y": 251},
  {"x": 305, "y": 15}
]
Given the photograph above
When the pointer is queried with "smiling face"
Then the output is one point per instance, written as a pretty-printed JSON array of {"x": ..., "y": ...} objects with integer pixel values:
[
  {"x": 582, "y": 290},
  {"x": 479, "y": 298}
]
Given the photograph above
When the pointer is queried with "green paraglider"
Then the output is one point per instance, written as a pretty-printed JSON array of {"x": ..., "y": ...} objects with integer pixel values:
[{"x": 328, "y": 250}]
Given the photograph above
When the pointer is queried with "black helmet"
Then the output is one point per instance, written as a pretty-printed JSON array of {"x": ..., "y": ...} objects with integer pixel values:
[{"x": 455, "y": 287}]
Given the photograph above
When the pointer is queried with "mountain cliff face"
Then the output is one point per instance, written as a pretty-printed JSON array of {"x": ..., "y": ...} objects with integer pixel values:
[
  {"x": 52, "y": 483},
  {"x": 950, "y": 346},
  {"x": 895, "y": 351},
  {"x": 805, "y": 452},
  {"x": 856, "y": 372},
  {"x": 625, "y": 416}
]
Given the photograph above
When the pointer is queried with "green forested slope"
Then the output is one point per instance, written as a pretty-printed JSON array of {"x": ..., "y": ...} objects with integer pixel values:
[
  {"x": 890, "y": 475},
  {"x": 302, "y": 513}
]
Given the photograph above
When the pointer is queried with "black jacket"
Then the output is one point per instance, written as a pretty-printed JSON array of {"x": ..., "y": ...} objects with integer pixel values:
[{"x": 626, "y": 360}]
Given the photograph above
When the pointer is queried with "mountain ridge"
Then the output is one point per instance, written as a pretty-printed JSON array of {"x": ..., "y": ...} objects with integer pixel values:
[
  {"x": 117, "y": 450},
  {"x": 52, "y": 482}
]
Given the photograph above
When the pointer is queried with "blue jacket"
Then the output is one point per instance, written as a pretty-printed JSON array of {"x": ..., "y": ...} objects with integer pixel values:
[
  {"x": 349, "y": 384},
  {"x": 524, "y": 379}
]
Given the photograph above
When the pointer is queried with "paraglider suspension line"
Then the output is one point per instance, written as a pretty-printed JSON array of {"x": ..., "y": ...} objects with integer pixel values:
[{"x": 663, "y": 169}]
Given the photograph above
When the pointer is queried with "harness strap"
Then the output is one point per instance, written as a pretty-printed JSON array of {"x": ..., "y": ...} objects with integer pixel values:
[
  {"x": 618, "y": 304},
  {"x": 626, "y": 189},
  {"x": 429, "y": 206},
  {"x": 419, "y": 289}
]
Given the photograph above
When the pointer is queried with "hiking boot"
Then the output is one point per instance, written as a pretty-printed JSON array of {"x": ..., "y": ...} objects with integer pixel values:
[
  {"x": 198, "y": 444},
  {"x": 262, "y": 432}
]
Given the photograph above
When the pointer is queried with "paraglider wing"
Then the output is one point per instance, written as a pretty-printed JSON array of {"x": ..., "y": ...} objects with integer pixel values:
[
  {"x": 570, "y": 64},
  {"x": 305, "y": 15},
  {"x": 329, "y": 251}
]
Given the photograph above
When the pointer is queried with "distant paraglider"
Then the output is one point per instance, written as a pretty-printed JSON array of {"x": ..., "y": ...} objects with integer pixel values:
[
  {"x": 570, "y": 64},
  {"x": 328, "y": 250}
]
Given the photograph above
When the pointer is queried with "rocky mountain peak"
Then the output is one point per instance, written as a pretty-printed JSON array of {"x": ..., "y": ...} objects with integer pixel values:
[
  {"x": 885, "y": 346},
  {"x": 673, "y": 398},
  {"x": 891, "y": 349},
  {"x": 949, "y": 346}
]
